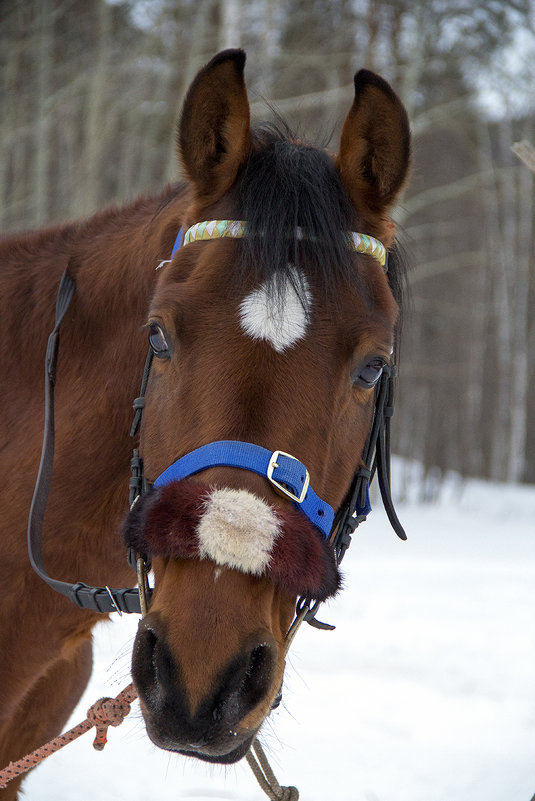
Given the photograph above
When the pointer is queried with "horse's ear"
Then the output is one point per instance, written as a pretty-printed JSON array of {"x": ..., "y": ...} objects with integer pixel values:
[
  {"x": 214, "y": 135},
  {"x": 375, "y": 146}
]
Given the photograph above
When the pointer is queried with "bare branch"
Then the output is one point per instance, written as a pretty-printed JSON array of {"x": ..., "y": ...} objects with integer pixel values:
[
  {"x": 454, "y": 189},
  {"x": 456, "y": 261},
  {"x": 437, "y": 114},
  {"x": 308, "y": 100},
  {"x": 525, "y": 152}
]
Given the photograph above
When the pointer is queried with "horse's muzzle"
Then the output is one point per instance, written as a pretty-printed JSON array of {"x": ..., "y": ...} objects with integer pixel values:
[{"x": 213, "y": 729}]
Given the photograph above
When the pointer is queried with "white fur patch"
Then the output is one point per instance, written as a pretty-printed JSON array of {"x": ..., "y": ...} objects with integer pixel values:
[
  {"x": 278, "y": 316},
  {"x": 238, "y": 530}
]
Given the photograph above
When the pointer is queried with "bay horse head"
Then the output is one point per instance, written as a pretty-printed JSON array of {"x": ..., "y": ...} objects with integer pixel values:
[{"x": 270, "y": 328}]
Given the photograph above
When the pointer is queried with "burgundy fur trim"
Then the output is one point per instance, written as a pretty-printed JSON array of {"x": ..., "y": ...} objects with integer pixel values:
[
  {"x": 164, "y": 523},
  {"x": 302, "y": 560}
]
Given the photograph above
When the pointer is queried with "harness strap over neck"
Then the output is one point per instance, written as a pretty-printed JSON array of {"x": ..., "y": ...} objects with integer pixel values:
[{"x": 99, "y": 599}]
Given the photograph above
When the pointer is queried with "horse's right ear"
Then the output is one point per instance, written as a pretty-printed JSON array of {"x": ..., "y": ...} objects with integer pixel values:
[{"x": 214, "y": 134}]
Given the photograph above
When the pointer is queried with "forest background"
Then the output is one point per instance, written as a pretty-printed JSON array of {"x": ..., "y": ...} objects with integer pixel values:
[{"x": 90, "y": 92}]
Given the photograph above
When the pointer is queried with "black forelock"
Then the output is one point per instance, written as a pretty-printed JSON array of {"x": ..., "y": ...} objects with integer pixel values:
[{"x": 288, "y": 185}]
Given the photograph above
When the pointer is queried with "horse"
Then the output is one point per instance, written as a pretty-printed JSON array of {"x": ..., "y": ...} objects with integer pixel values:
[{"x": 270, "y": 328}]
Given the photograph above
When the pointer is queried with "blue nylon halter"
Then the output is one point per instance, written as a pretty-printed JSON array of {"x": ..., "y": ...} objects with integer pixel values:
[{"x": 285, "y": 472}]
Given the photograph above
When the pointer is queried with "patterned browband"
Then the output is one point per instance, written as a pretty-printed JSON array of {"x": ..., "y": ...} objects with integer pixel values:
[{"x": 236, "y": 229}]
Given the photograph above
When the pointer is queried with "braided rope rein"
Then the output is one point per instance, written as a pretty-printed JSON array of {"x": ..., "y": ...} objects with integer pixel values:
[
  {"x": 263, "y": 773},
  {"x": 108, "y": 712},
  {"x": 256, "y": 757},
  {"x": 104, "y": 713}
]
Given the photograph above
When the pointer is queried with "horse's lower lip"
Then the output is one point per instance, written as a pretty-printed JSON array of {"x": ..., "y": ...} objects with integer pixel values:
[
  {"x": 227, "y": 758},
  {"x": 224, "y": 753}
]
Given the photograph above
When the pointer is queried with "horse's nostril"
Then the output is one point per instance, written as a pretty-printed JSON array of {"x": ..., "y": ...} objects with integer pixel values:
[
  {"x": 259, "y": 674},
  {"x": 153, "y": 666},
  {"x": 144, "y": 663}
]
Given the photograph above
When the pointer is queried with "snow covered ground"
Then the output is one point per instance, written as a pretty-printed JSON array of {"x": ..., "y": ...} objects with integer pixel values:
[{"x": 425, "y": 691}]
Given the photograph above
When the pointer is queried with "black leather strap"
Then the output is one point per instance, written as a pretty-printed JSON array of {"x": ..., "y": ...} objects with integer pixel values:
[
  {"x": 139, "y": 403},
  {"x": 383, "y": 460},
  {"x": 98, "y": 599},
  {"x": 375, "y": 457}
]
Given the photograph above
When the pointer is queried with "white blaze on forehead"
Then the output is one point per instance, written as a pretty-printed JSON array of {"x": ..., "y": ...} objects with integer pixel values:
[
  {"x": 238, "y": 530},
  {"x": 276, "y": 312}
]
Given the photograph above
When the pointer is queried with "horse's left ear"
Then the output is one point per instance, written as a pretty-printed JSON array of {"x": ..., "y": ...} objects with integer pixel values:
[
  {"x": 214, "y": 135},
  {"x": 375, "y": 146}
]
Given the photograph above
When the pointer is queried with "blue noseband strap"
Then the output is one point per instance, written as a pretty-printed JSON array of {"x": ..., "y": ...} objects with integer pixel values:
[{"x": 286, "y": 473}]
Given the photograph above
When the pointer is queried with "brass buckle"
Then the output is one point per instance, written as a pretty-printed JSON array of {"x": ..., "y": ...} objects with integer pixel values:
[{"x": 277, "y": 484}]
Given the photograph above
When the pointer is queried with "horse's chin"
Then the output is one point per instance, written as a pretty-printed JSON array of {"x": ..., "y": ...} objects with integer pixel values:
[
  {"x": 221, "y": 759},
  {"x": 216, "y": 753}
]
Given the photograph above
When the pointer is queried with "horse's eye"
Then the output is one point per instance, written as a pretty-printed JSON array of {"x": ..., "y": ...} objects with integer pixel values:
[
  {"x": 369, "y": 374},
  {"x": 158, "y": 341}
]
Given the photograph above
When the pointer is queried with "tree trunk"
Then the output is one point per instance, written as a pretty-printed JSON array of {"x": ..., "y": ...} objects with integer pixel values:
[
  {"x": 520, "y": 322},
  {"x": 230, "y": 31},
  {"x": 8, "y": 132},
  {"x": 497, "y": 259},
  {"x": 42, "y": 126},
  {"x": 90, "y": 193}
]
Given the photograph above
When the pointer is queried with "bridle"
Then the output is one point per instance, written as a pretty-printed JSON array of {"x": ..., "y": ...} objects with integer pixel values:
[{"x": 282, "y": 470}]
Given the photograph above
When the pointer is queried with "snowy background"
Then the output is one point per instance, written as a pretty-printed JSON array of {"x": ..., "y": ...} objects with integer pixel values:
[{"x": 425, "y": 691}]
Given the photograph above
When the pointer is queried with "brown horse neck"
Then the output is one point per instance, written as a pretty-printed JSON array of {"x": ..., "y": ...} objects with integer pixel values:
[{"x": 112, "y": 255}]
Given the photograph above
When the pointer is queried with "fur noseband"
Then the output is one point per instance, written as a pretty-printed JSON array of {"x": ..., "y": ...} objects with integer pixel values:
[{"x": 235, "y": 529}]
